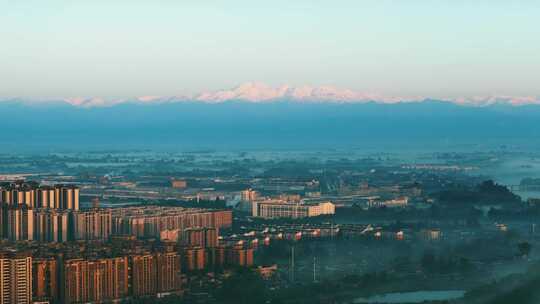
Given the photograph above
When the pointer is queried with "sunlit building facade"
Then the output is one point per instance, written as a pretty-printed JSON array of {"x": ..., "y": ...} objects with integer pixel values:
[
  {"x": 99, "y": 280},
  {"x": 94, "y": 224},
  {"x": 15, "y": 280},
  {"x": 31, "y": 195}
]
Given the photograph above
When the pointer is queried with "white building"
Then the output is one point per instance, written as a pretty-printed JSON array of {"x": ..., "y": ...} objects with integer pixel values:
[{"x": 283, "y": 209}]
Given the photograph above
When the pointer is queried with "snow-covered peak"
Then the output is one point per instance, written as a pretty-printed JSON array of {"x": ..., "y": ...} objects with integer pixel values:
[
  {"x": 257, "y": 92},
  {"x": 249, "y": 91},
  {"x": 498, "y": 99},
  {"x": 89, "y": 102}
]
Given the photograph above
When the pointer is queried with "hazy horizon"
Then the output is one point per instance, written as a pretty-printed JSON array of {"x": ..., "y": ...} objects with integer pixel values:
[{"x": 277, "y": 125}]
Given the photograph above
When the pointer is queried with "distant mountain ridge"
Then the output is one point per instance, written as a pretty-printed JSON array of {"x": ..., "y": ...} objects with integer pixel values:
[
  {"x": 257, "y": 92},
  {"x": 283, "y": 124}
]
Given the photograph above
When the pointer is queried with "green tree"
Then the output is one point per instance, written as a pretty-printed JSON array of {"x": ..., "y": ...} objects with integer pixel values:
[
  {"x": 524, "y": 248},
  {"x": 244, "y": 286}
]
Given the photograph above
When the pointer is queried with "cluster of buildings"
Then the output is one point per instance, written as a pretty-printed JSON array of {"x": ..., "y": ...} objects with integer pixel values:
[
  {"x": 26, "y": 279},
  {"x": 45, "y": 225},
  {"x": 153, "y": 221},
  {"x": 49, "y": 217},
  {"x": 29, "y": 212},
  {"x": 203, "y": 249},
  {"x": 31, "y": 195},
  {"x": 74, "y": 273},
  {"x": 54, "y": 225},
  {"x": 283, "y": 206}
]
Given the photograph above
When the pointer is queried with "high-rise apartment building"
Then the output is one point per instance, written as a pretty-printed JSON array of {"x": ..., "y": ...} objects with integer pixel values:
[
  {"x": 15, "y": 279},
  {"x": 19, "y": 224},
  {"x": 69, "y": 197},
  {"x": 51, "y": 225},
  {"x": 221, "y": 219},
  {"x": 99, "y": 280},
  {"x": 239, "y": 256},
  {"x": 169, "y": 279},
  {"x": 150, "y": 221},
  {"x": 45, "y": 280},
  {"x": 31, "y": 195},
  {"x": 94, "y": 224},
  {"x": 215, "y": 257},
  {"x": 194, "y": 258},
  {"x": 143, "y": 275},
  {"x": 45, "y": 198},
  {"x": 200, "y": 237},
  {"x": 249, "y": 195},
  {"x": 157, "y": 273}
]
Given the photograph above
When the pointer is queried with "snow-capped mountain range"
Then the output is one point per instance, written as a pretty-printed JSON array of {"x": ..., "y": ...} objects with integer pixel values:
[
  {"x": 251, "y": 92},
  {"x": 259, "y": 92}
]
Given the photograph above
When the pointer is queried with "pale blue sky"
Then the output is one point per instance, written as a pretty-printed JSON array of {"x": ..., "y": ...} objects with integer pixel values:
[{"x": 399, "y": 48}]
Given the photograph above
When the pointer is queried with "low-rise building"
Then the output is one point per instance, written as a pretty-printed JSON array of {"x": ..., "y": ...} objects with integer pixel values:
[{"x": 283, "y": 209}]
